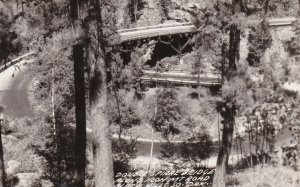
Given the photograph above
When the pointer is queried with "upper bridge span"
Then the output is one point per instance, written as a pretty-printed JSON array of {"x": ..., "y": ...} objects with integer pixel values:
[{"x": 181, "y": 28}]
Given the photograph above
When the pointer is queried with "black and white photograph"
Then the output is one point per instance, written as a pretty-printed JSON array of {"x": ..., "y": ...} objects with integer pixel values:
[{"x": 149, "y": 93}]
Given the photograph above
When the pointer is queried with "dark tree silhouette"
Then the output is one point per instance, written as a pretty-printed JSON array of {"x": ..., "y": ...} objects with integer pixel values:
[
  {"x": 80, "y": 107},
  {"x": 2, "y": 168}
]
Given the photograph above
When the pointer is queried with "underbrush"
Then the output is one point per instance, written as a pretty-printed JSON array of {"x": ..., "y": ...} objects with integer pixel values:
[
  {"x": 18, "y": 145},
  {"x": 265, "y": 177}
]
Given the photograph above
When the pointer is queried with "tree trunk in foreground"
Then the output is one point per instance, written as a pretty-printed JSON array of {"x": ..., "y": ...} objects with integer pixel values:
[
  {"x": 80, "y": 105},
  {"x": 2, "y": 170},
  {"x": 80, "y": 112},
  {"x": 228, "y": 114},
  {"x": 2, "y": 167},
  {"x": 298, "y": 13},
  {"x": 103, "y": 165},
  {"x": 227, "y": 108},
  {"x": 97, "y": 64}
]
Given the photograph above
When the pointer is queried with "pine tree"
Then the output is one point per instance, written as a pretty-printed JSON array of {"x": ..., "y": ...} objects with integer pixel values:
[
  {"x": 80, "y": 106},
  {"x": 98, "y": 95}
]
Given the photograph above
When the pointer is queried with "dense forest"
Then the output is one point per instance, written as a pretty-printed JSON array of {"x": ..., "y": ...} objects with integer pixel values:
[{"x": 94, "y": 89}]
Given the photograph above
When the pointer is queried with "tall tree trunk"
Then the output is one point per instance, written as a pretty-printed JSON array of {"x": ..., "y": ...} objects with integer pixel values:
[
  {"x": 103, "y": 166},
  {"x": 228, "y": 114},
  {"x": 266, "y": 6},
  {"x": 22, "y": 5},
  {"x": 80, "y": 106},
  {"x": 97, "y": 65},
  {"x": 80, "y": 138},
  {"x": 227, "y": 108},
  {"x": 2, "y": 167},
  {"x": 234, "y": 46},
  {"x": 298, "y": 13}
]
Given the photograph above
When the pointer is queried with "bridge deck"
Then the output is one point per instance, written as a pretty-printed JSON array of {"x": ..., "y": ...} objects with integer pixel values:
[
  {"x": 154, "y": 32},
  {"x": 178, "y": 77},
  {"x": 180, "y": 28}
]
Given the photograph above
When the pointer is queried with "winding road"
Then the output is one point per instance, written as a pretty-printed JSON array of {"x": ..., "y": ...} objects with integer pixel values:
[{"x": 14, "y": 84}]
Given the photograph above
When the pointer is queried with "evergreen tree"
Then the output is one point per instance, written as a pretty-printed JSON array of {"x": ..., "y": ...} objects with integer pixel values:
[
  {"x": 80, "y": 105},
  {"x": 100, "y": 37}
]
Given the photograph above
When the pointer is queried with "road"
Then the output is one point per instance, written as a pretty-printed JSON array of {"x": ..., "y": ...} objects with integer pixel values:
[{"x": 14, "y": 84}]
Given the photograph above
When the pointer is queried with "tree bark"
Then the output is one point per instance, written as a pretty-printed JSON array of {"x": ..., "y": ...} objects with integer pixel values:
[
  {"x": 228, "y": 114},
  {"x": 298, "y": 13},
  {"x": 2, "y": 167},
  {"x": 234, "y": 46},
  {"x": 227, "y": 108},
  {"x": 80, "y": 112},
  {"x": 103, "y": 166},
  {"x": 266, "y": 6},
  {"x": 80, "y": 105},
  {"x": 97, "y": 65}
]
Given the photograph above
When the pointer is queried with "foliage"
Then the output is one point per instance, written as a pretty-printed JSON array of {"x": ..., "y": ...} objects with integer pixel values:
[
  {"x": 200, "y": 145},
  {"x": 133, "y": 71},
  {"x": 45, "y": 17},
  {"x": 9, "y": 40},
  {"x": 168, "y": 113},
  {"x": 135, "y": 7},
  {"x": 292, "y": 45},
  {"x": 24, "y": 133},
  {"x": 50, "y": 75},
  {"x": 123, "y": 116},
  {"x": 259, "y": 40},
  {"x": 172, "y": 120},
  {"x": 267, "y": 107},
  {"x": 282, "y": 8},
  {"x": 227, "y": 20}
]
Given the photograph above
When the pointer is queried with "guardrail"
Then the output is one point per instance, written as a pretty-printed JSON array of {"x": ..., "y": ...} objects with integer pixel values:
[{"x": 16, "y": 60}]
